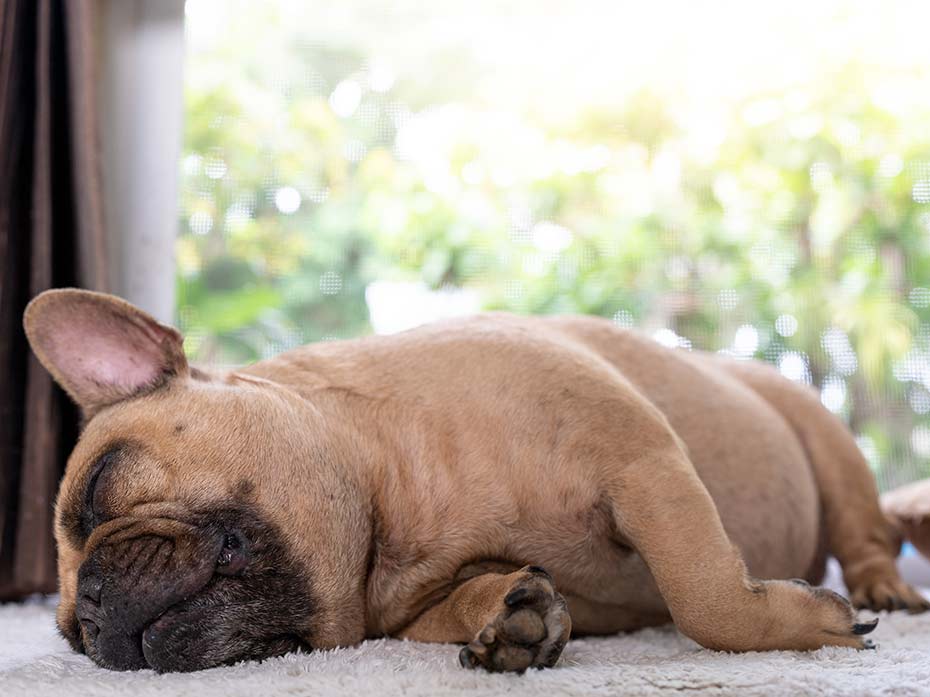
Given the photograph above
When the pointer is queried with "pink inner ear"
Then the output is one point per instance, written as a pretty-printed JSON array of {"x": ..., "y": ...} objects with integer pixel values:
[{"x": 107, "y": 352}]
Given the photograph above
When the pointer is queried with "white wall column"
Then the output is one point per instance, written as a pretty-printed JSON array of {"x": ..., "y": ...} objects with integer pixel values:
[{"x": 141, "y": 111}]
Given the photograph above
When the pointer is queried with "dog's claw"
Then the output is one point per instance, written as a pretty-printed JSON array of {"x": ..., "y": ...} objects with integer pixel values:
[
  {"x": 870, "y": 645},
  {"x": 539, "y": 570},
  {"x": 861, "y": 628},
  {"x": 515, "y": 597},
  {"x": 467, "y": 658}
]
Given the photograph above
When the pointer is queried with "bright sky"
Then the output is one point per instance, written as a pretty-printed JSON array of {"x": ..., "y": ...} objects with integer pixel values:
[{"x": 594, "y": 51}]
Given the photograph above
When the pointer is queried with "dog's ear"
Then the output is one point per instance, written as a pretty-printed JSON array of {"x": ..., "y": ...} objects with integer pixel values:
[{"x": 100, "y": 348}]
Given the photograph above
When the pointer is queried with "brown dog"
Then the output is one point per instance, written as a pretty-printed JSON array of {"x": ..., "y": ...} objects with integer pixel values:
[{"x": 416, "y": 486}]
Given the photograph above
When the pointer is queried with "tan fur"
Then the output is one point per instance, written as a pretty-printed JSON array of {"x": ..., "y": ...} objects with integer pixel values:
[
  {"x": 908, "y": 509},
  {"x": 640, "y": 477}
]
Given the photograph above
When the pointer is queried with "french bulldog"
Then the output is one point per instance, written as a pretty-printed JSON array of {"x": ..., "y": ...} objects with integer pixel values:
[{"x": 500, "y": 482}]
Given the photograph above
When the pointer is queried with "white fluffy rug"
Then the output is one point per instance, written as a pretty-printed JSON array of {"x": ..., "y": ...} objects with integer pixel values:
[{"x": 34, "y": 661}]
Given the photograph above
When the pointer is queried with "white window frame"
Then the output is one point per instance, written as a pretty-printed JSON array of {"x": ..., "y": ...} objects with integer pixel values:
[{"x": 141, "y": 105}]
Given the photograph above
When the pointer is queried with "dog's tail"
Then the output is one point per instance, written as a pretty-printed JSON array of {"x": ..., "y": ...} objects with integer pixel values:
[{"x": 858, "y": 532}]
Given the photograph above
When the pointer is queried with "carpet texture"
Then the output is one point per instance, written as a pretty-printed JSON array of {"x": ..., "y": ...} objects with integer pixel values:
[{"x": 34, "y": 661}]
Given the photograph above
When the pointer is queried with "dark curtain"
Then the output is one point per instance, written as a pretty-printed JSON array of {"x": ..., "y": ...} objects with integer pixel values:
[{"x": 51, "y": 235}]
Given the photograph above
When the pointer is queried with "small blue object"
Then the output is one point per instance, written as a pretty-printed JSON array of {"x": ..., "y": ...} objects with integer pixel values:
[{"x": 908, "y": 550}]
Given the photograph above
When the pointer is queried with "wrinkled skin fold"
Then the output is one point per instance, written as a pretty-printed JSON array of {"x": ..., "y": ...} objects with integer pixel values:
[{"x": 152, "y": 594}]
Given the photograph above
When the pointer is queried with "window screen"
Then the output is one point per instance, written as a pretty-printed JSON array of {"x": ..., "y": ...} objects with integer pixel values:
[{"x": 750, "y": 178}]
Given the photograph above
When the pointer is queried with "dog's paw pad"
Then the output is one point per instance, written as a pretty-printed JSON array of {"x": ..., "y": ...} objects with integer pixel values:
[{"x": 530, "y": 630}]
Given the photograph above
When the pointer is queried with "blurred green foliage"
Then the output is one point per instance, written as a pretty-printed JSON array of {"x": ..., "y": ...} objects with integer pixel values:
[{"x": 795, "y": 229}]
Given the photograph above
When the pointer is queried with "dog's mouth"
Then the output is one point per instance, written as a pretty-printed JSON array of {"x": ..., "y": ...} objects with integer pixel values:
[
  {"x": 153, "y": 637},
  {"x": 165, "y": 644},
  {"x": 181, "y": 641}
]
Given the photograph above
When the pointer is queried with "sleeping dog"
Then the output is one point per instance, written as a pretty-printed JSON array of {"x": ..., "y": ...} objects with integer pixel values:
[{"x": 500, "y": 482}]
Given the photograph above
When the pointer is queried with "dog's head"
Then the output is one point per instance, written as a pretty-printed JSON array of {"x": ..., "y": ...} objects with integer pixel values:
[{"x": 197, "y": 517}]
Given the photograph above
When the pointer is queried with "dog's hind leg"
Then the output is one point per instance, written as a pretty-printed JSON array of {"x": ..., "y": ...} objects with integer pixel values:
[
  {"x": 858, "y": 533},
  {"x": 661, "y": 508}
]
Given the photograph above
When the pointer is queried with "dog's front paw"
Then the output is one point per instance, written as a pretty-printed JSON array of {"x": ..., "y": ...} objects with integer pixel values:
[{"x": 530, "y": 630}]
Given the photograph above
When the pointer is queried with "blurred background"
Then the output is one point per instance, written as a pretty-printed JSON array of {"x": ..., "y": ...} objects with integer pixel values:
[{"x": 743, "y": 177}]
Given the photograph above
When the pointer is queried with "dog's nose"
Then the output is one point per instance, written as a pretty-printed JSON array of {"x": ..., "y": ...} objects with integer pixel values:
[
  {"x": 91, "y": 628},
  {"x": 122, "y": 652},
  {"x": 90, "y": 588},
  {"x": 88, "y": 598},
  {"x": 88, "y": 605}
]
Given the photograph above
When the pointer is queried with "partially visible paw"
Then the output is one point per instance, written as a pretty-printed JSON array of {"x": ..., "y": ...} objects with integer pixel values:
[
  {"x": 530, "y": 631},
  {"x": 884, "y": 593}
]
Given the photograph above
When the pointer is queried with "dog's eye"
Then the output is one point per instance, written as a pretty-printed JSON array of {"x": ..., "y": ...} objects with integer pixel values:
[
  {"x": 92, "y": 510},
  {"x": 232, "y": 557},
  {"x": 231, "y": 542}
]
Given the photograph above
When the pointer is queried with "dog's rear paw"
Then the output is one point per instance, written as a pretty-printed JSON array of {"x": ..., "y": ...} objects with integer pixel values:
[
  {"x": 530, "y": 630},
  {"x": 878, "y": 594}
]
